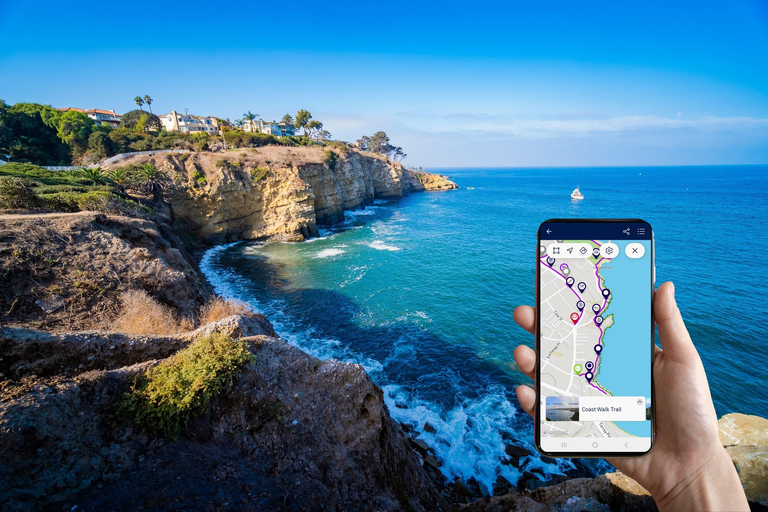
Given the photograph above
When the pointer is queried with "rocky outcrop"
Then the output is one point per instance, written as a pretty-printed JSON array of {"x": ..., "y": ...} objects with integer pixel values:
[
  {"x": 292, "y": 433},
  {"x": 280, "y": 192},
  {"x": 27, "y": 352},
  {"x": 745, "y": 439},
  {"x": 65, "y": 271},
  {"x": 613, "y": 491}
]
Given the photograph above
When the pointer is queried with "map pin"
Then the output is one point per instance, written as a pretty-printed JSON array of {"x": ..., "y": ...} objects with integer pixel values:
[
  {"x": 598, "y": 319},
  {"x": 596, "y": 308},
  {"x": 580, "y": 305},
  {"x": 582, "y": 287},
  {"x": 589, "y": 365},
  {"x": 598, "y": 348},
  {"x": 550, "y": 261},
  {"x": 606, "y": 292},
  {"x": 589, "y": 376},
  {"x": 574, "y": 318},
  {"x": 569, "y": 281},
  {"x": 595, "y": 253},
  {"x": 565, "y": 270}
]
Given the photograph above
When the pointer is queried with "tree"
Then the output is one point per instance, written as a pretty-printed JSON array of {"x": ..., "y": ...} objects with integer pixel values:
[
  {"x": 139, "y": 101},
  {"x": 379, "y": 143},
  {"x": 148, "y": 101},
  {"x": 27, "y": 137},
  {"x": 152, "y": 179},
  {"x": 121, "y": 177},
  {"x": 287, "y": 119},
  {"x": 302, "y": 119},
  {"x": 324, "y": 135},
  {"x": 132, "y": 119},
  {"x": 93, "y": 174},
  {"x": 100, "y": 145},
  {"x": 74, "y": 128},
  {"x": 398, "y": 154},
  {"x": 313, "y": 126},
  {"x": 148, "y": 123},
  {"x": 363, "y": 143},
  {"x": 249, "y": 116}
]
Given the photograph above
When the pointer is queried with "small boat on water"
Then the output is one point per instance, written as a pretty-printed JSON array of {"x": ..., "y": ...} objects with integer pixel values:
[{"x": 576, "y": 194}]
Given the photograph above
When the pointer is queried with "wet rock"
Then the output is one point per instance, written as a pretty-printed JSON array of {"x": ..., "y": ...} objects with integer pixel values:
[
  {"x": 548, "y": 460},
  {"x": 461, "y": 488},
  {"x": 516, "y": 451},
  {"x": 483, "y": 490},
  {"x": 429, "y": 428},
  {"x": 502, "y": 486},
  {"x": 430, "y": 460},
  {"x": 419, "y": 445}
]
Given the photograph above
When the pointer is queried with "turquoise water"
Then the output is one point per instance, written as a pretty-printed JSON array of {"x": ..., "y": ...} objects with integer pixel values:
[
  {"x": 421, "y": 291},
  {"x": 630, "y": 315}
]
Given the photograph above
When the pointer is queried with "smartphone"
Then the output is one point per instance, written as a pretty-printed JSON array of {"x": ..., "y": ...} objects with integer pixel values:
[{"x": 594, "y": 338}]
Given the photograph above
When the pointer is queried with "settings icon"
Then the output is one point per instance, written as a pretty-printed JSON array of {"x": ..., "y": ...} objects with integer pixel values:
[{"x": 609, "y": 250}]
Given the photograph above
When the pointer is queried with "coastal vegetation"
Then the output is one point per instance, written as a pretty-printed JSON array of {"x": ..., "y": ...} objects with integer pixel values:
[
  {"x": 27, "y": 186},
  {"x": 166, "y": 397}
]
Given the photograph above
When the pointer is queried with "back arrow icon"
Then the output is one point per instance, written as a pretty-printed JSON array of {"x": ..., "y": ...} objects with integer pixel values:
[{"x": 549, "y": 231}]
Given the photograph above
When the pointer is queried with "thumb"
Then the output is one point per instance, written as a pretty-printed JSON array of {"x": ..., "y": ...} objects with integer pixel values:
[{"x": 675, "y": 340}]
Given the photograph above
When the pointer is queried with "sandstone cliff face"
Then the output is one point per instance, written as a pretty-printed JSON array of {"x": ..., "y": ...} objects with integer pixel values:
[{"x": 280, "y": 192}]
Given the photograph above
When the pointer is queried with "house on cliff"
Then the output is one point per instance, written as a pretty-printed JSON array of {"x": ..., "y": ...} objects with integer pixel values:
[
  {"x": 281, "y": 129},
  {"x": 187, "y": 123},
  {"x": 99, "y": 116}
]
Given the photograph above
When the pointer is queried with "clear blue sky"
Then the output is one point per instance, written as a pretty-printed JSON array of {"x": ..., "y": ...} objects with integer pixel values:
[{"x": 454, "y": 84}]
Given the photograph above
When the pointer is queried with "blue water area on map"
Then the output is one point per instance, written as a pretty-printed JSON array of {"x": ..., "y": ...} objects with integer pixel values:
[
  {"x": 627, "y": 343},
  {"x": 421, "y": 291}
]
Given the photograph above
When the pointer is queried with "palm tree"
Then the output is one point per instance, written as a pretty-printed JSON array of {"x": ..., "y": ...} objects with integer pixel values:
[
  {"x": 93, "y": 174},
  {"x": 249, "y": 117},
  {"x": 152, "y": 179},
  {"x": 148, "y": 101},
  {"x": 139, "y": 101},
  {"x": 121, "y": 177}
]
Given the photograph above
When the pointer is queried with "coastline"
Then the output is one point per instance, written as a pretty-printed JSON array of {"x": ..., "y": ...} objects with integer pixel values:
[{"x": 48, "y": 400}]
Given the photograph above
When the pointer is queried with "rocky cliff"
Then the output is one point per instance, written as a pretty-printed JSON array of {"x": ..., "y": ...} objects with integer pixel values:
[
  {"x": 292, "y": 433},
  {"x": 280, "y": 192},
  {"x": 66, "y": 270}
]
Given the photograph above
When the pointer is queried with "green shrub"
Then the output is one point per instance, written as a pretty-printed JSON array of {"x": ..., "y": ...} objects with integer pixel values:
[
  {"x": 258, "y": 174},
  {"x": 16, "y": 193},
  {"x": 61, "y": 202},
  {"x": 96, "y": 201},
  {"x": 164, "y": 399},
  {"x": 330, "y": 157}
]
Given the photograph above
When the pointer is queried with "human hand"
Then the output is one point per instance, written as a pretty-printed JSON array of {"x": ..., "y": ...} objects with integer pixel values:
[{"x": 687, "y": 469}]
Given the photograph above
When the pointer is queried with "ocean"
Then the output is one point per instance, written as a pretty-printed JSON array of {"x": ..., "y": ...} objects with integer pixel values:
[{"x": 420, "y": 291}]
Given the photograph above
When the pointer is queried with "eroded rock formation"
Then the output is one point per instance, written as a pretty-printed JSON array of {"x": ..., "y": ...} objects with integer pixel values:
[{"x": 280, "y": 192}]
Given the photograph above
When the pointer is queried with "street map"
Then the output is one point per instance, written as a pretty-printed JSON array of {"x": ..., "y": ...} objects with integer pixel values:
[{"x": 575, "y": 325}]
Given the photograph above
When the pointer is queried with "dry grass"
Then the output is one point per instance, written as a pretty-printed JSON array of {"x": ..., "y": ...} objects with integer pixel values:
[
  {"x": 141, "y": 314},
  {"x": 218, "y": 308}
]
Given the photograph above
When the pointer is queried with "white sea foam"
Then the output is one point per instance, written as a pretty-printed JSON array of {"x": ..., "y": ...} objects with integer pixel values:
[
  {"x": 381, "y": 245},
  {"x": 326, "y": 253},
  {"x": 467, "y": 438}
]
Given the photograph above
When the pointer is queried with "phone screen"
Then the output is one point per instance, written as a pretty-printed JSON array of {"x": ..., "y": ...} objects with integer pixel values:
[{"x": 594, "y": 337}]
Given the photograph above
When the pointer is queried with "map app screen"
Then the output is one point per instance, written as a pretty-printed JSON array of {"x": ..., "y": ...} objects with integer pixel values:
[{"x": 595, "y": 336}]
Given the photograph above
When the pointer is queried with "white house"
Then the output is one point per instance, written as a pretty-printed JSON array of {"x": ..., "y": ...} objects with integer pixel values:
[
  {"x": 175, "y": 122},
  {"x": 280, "y": 129}
]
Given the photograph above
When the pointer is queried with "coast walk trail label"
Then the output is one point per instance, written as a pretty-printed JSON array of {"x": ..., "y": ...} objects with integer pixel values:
[{"x": 575, "y": 319}]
